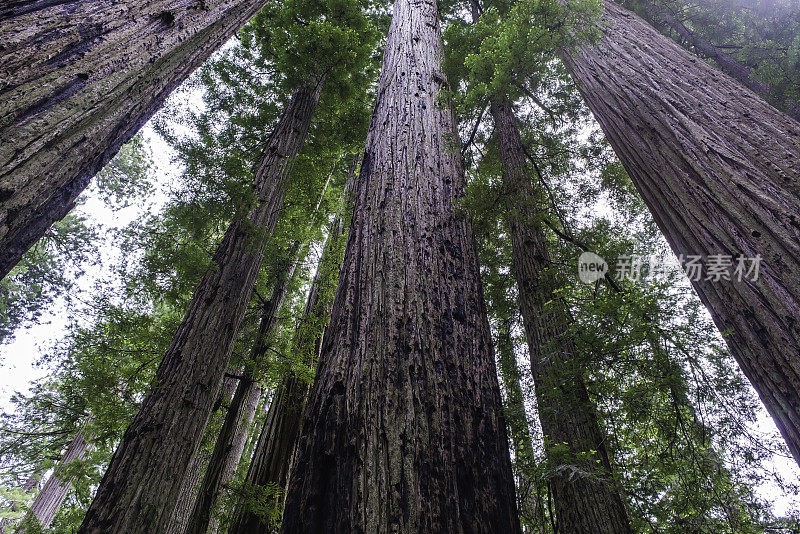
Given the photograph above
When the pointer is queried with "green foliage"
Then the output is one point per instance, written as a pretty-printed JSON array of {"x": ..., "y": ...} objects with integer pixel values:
[
  {"x": 126, "y": 176},
  {"x": 762, "y": 35},
  {"x": 676, "y": 410},
  {"x": 44, "y": 274},
  {"x": 509, "y": 50}
]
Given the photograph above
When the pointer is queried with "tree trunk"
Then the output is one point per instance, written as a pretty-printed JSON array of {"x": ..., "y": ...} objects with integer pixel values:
[
  {"x": 587, "y": 500},
  {"x": 78, "y": 78},
  {"x": 517, "y": 419},
  {"x": 727, "y": 63},
  {"x": 227, "y": 453},
  {"x": 509, "y": 374},
  {"x": 141, "y": 485},
  {"x": 276, "y": 442},
  {"x": 718, "y": 168},
  {"x": 54, "y": 491},
  {"x": 194, "y": 474},
  {"x": 233, "y": 436},
  {"x": 404, "y": 429}
]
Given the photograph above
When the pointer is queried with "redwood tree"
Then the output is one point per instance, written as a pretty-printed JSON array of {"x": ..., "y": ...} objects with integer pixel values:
[
  {"x": 269, "y": 466},
  {"x": 79, "y": 78},
  {"x": 233, "y": 436},
  {"x": 587, "y": 499},
  {"x": 54, "y": 491},
  {"x": 718, "y": 168},
  {"x": 139, "y": 490},
  {"x": 404, "y": 429}
]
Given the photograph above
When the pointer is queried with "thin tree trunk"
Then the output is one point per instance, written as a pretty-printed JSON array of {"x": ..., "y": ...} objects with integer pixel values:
[
  {"x": 276, "y": 441},
  {"x": 233, "y": 436},
  {"x": 405, "y": 429},
  {"x": 141, "y": 485},
  {"x": 517, "y": 419},
  {"x": 718, "y": 168},
  {"x": 587, "y": 499},
  {"x": 229, "y": 449},
  {"x": 510, "y": 376},
  {"x": 55, "y": 490},
  {"x": 197, "y": 468},
  {"x": 78, "y": 78}
]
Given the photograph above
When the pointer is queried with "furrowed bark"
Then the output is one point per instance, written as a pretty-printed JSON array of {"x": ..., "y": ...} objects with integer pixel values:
[
  {"x": 78, "y": 78},
  {"x": 54, "y": 491},
  {"x": 718, "y": 168},
  {"x": 233, "y": 436},
  {"x": 196, "y": 470},
  {"x": 587, "y": 500},
  {"x": 277, "y": 439},
  {"x": 404, "y": 429},
  {"x": 727, "y": 63},
  {"x": 141, "y": 485}
]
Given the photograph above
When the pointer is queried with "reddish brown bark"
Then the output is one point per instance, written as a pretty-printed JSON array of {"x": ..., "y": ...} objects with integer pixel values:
[
  {"x": 718, "y": 168},
  {"x": 141, "y": 485},
  {"x": 78, "y": 78},
  {"x": 404, "y": 429}
]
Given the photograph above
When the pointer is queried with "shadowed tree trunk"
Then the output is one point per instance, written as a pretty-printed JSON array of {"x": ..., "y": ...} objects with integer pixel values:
[
  {"x": 78, "y": 78},
  {"x": 197, "y": 468},
  {"x": 587, "y": 499},
  {"x": 269, "y": 466},
  {"x": 404, "y": 429},
  {"x": 54, "y": 491},
  {"x": 233, "y": 436},
  {"x": 141, "y": 485},
  {"x": 718, "y": 168}
]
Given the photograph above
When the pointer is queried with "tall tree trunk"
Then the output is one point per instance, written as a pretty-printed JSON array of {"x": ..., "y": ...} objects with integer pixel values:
[
  {"x": 78, "y": 78},
  {"x": 587, "y": 499},
  {"x": 197, "y": 468},
  {"x": 517, "y": 419},
  {"x": 55, "y": 490},
  {"x": 405, "y": 429},
  {"x": 509, "y": 374},
  {"x": 227, "y": 453},
  {"x": 718, "y": 168},
  {"x": 141, "y": 485},
  {"x": 276, "y": 441},
  {"x": 233, "y": 436}
]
